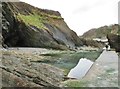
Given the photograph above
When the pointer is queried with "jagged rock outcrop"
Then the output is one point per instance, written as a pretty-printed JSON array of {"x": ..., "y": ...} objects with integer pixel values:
[
  {"x": 19, "y": 71},
  {"x": 114, "y": 41},
  {"x": 28, "y": 26}
]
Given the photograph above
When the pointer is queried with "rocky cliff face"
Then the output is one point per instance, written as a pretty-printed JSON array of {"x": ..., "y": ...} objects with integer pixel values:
[
  {"x": 111, "y": 32},
  {"x": 0, "y": 25},
  {"x": 102, "y": 31},
  {"x": 28, "y": 26},
  {"x": 92, "y": 43}
]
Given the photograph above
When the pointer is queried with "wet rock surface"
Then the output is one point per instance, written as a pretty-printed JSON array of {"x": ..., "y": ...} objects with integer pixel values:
[{"x": 18, "y": 71}]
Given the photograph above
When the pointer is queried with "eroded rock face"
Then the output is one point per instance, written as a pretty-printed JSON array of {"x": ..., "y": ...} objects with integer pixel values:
[
  {"x": 114, "y": 41},
  {"x": 20, "y": 72},
  {"x": 9, "y": 26},
  {"x": 28, "y": 26}
]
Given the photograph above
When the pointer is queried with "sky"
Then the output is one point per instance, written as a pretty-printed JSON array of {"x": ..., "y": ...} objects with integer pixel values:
[{"x": 82, "y": 15}]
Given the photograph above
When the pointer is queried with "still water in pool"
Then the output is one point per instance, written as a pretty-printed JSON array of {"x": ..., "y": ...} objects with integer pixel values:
[{"x": 80, "y": 69}]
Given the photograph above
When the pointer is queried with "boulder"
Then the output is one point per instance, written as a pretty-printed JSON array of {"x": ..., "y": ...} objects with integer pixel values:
[{"x": 114, "y": 41}]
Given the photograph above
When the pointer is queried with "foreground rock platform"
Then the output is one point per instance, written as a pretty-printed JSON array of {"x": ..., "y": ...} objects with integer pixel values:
[{"x": 18, "y": 71}]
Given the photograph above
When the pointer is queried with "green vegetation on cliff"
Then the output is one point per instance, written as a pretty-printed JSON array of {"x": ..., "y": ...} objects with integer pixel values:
[
  {"x": 37, "y": 20},
  {"x": 28, "y": 26},
  {"x": 34, "y": 20}
]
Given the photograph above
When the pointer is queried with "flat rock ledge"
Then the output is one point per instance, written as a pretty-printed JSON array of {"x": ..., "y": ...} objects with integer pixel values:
[{"x": 20, "y": 72}]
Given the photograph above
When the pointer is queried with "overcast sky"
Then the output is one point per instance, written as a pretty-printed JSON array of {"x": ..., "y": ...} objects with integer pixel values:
[{"x": 82, "y": 15}]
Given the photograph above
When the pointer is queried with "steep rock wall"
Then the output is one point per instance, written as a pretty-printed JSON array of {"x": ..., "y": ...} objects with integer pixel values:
[{"x": 28, "y": 26}]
